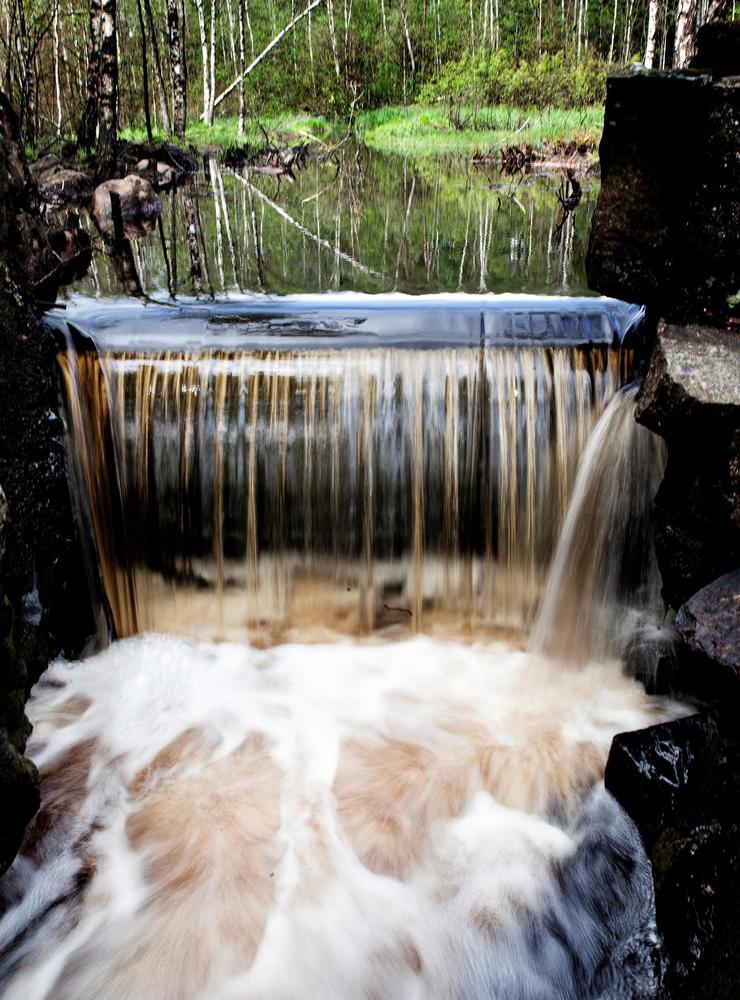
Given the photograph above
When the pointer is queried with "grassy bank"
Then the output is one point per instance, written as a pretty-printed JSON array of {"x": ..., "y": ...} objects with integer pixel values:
[
  {"x": 409, "y": 131},
  {"x": 429, "y": 131},
  {"x": 224, "y": 133}
]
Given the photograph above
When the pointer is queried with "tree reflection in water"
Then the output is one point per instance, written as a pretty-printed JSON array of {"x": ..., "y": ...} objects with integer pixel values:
[{"x": 366, "y": 221}]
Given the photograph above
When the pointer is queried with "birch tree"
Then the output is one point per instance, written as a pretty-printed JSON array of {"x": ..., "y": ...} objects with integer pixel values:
[
  {"x": 652, "y": 33},
  {"x": 204, "y": 59},
  {"x": 242, "y": 47},
  {"x": 28, "y": 79},
  {"x": 87, "y": 131},
  {"x": 684, "y": 45},
  {"x": 176, "y": 46},
  {"x": 157, "y": 61},
  {"x": 108, "y": 97}
]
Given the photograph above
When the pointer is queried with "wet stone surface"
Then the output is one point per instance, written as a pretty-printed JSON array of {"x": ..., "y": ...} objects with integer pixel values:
[{"x": 680, "y": 783}]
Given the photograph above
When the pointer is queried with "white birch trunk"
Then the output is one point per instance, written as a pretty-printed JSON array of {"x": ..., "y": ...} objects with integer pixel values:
[
  {"x": 57, "y": 82},
  {"x": 684, "y": 45},
  {"x": 614, "y": 32},
  {"x": 204, "y": 60},
  {"x": 652, "y": 33}
]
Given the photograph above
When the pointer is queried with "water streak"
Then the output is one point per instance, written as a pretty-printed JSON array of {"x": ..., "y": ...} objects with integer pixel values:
[
  {"x": 275, "y": 494},
  {"x": 604, "y": 579}
]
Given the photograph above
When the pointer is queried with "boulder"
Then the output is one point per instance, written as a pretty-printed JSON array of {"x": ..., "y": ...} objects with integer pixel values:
[
  {"x": 140, "y": 205},
  {"x": 60, "y": 185},
  {"x": 43, "y": 589},
  {"x": 694, "y": 374},
  {"x": 709, "y": 622},
  {"x": 666, "y": 229},
  {"x": 161, "y": 175},
  {"x": 691, "y": 396},
  {"x": 718, "y": 48},
  {"x": 656, "y": 771},
  {"x": 680, "y": 783}
]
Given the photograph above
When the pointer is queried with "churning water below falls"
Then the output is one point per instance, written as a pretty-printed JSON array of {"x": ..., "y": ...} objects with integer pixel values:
[{"x": 411, "y": 807}]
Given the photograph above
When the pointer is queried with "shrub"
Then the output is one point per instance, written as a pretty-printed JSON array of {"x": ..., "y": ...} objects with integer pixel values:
[{"x": 548, "y": 82}]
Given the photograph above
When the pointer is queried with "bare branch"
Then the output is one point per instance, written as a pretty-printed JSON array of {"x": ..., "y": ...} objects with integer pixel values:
[{"x": 268, "y": 48}]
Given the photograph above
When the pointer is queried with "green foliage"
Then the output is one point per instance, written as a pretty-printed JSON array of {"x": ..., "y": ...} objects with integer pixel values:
[
  {"x": 425, "y": 52},
  {"x": 548, "y": 82}
]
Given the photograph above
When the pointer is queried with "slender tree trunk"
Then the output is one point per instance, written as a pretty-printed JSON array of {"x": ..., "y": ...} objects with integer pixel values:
[
  {"x": 332, "y": 35},
  {"x": 652, "y": 33},
  {"x": 28, "y": 105},
  {"x": 108, "y": 97},
  {"x": 717, "y": 10},
  {"x": 144, "y": 73},
  {"x": 175, "y": 32},
  {"x": 241, "y": 66},
  {"x": 158, "y": 74},
  {"x": 249, "y": 27},
  {"x": 628, "y": 33},
  {"x": 212, "y": 66},
  {"x": 204, "y": 61},
  {"x": 87, "y": 132},
  {"x": 233, "y": 35},
  {"x": 539, "y": 29},
  {"x": 404, "y": 18},
  {"x": 684, "y": 45},
  {"x": 57, "y": 79},
  {"x": 614, "y": 32}
]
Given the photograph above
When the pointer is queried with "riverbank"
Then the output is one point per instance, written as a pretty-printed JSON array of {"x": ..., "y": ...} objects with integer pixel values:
[{"x": 415, "y": 130}]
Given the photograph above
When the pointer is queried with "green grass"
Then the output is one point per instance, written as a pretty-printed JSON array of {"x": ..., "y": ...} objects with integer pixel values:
[
  {"x": 224, "y": 132},
  {"x": 427, "y": 131},
  {"x": 412, "y": 131}
]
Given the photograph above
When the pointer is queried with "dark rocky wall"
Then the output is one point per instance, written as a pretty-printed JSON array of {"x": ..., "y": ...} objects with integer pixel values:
[
  {"x": 666, "y": 234},
  {"x": 666, "y": 230},
  {"x": 691, "y": 396},
  {"x": 44, "y": 607}
]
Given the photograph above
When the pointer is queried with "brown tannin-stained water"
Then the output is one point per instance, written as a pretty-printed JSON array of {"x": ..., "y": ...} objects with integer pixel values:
[
  {"x": 427, "y": 554},
  {"x": 269, "y": 494}
]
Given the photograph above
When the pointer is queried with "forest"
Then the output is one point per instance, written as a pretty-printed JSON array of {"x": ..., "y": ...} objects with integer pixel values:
[{"x": 184, "y": 67}]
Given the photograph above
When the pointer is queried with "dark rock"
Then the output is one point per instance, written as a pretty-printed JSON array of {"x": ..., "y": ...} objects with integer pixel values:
[
  {"x": 140, "y": 205},
  {"x": 59, "y": 184},
  {"x": 691, "y": 396},
  {"x": 653, "y": 772},
  {"x": 709, "y": 622},
  {"x": 666, "y": 230},
  {"x": 72, "y": 249},
  {"x": 718, "y": 48},
  {"x": 694, "y": 373},
  {"x": 680, "y": 783},
  {"x": 43, "y": 607},
  {"x": 160, "y": 175},
  {"x": 696, "y": 909},
  {"x": 182, "y": 163},
  {"x": 19, "y": 794}
]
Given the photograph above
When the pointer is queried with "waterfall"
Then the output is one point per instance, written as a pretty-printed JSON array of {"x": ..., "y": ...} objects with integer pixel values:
[
  {"x": 377, "y": 812},
  {"x": 266, "y": 494},
  {"x": 604, "y": 574}
]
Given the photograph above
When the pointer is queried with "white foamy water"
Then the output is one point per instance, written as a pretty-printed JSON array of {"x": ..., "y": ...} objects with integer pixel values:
[{"x": 419, "y": 819}]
